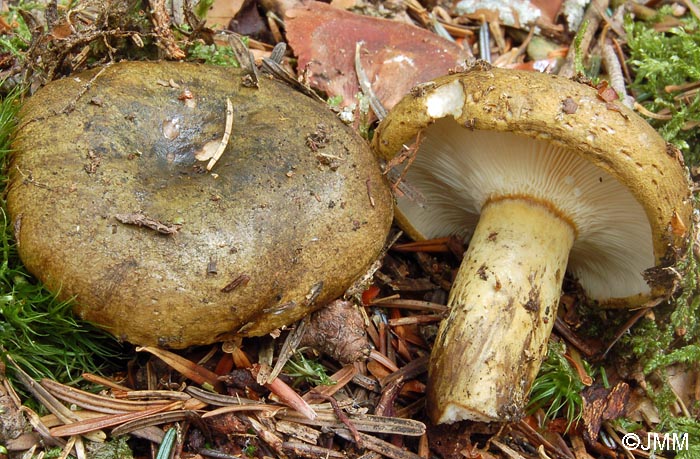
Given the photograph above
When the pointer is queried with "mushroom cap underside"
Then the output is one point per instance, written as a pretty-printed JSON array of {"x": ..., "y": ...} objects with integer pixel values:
[
  {"x": 291, "y": 214},
  {"x": 542, "y": 115}
]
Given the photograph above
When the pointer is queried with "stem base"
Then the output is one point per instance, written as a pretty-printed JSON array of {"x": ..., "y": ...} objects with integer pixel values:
[{"x": 502, "y": 308}]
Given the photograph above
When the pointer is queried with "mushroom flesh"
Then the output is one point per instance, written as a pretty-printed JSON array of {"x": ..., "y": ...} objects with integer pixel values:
[{"x": 543, "y": 176}]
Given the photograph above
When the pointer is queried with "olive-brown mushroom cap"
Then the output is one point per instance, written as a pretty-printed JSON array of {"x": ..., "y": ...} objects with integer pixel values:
[
  {"x": 569, "y": 115},
  {"x": 295, "y": 210}
]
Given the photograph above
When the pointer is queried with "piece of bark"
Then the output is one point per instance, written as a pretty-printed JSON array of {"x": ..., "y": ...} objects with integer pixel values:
[
  {"x": 600, "y": 405},
  {"x": 164, "y": 36},
  {"x": 12, "y": 420},
  {"x": 395, "y": 56},
  {"x": 338, "y": 331}
]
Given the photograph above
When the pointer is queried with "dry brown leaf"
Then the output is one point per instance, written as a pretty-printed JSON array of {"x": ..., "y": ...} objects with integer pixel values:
[
  {"x": 188, "y": 369},
  {"x": 91, "y": 425},
  {"x": 395, "y": 56},
  {"x": 550, "y": 8},
  {"x": 284, "y": 393}
]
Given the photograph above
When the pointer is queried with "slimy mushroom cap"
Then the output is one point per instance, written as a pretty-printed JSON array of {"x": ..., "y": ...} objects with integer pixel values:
[{"x": 105, "y": 162}]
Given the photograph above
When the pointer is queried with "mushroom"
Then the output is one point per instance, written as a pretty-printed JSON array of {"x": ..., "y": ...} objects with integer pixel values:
[
  {"x": 544, "y": 176},
  {"x": 113, "y": 208}
]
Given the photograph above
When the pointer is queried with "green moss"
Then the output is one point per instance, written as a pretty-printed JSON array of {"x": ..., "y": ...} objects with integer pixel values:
[
  {"x": 36, "y": 330},
  {"x": 335, "y": 101},
  {"x": 202, "y": 8},
  {"x": 17, "y": 42},
  {"x": 306, "y": 370},
  {"x": 663, "y": 59},
  {"x": 578, "y": 52},
  {"x": 671, "y": 336},
  {"x": 557, "y": 388},
  {"x": 212, "y": 54},
  {"x": 681, "y": 426}
]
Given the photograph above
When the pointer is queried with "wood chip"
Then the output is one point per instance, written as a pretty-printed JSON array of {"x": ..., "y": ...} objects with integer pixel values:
[
  {"x": 380, "y": 446},
  {"x": 299, "y": 431},
  {"x": 239, "y": 281},
  {"x": 326, "y": 419},
  {"x": 307, "y": 450}
]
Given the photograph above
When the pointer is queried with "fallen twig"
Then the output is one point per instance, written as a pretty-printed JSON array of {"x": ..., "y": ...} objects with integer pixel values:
[
  {"x": 276, "y": 70},
  {"x": 507, "y": 450},
  {"x": 150, "y": 394},
  {"x": 414, "y": 305},
  {"x": 385, "y": 405},
  {"x": 139, "y": 219},
  {"x": 340, "y": 414},
  {"x": 439, "y": 245},
  {"x": 267, "y": 435},
  {"x": 164, "y": 35},
  {"x": 104, "y": 382},
  {"x": 299, "y": 431},
  {"x": 71, "y": 105},
  {"x": 592, "y": 15},
  {"x": 409, "y": 371},
  {"x": 572, "y": 338},
  {"x": 416, "y": 320},
  {"x": 631, "y": 321},
  {"x": 617, "y": 79},
  {"x": 535, "y": 438}
]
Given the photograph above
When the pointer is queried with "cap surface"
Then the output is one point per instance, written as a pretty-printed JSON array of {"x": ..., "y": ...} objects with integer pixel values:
[
  {"x": 489, "y": 133},
  {"x": 271, "y": 234}
]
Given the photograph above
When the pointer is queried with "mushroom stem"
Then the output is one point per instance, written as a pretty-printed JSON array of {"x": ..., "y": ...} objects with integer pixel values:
[{"x": 502, "y": 309}]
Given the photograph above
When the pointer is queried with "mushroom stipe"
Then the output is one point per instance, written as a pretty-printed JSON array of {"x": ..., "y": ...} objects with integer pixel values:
[
  {"x": 540, "y": 188},
  {"x": 92, "y": 233}
]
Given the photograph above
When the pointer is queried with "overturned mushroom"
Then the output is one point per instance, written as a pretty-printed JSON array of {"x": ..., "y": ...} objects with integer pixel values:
[
  {"x": 543, "y": 176},
  {"x": 114, "y": 206}
]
